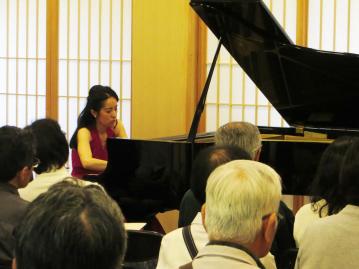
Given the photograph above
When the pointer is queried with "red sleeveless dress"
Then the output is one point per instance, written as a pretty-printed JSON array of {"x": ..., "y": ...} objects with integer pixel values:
[{"x": 98, "y": 152}]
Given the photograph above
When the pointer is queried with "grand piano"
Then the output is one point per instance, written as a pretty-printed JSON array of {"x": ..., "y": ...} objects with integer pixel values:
[{"x": 315, "y": 91}]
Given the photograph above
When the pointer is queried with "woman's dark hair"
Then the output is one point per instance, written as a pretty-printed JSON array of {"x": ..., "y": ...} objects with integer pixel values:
[
  {"x": 51, "y": 147},
  {"x": 326, "y": 182},
  {"x": 349, "y": 176},
  {"x": 97, "y": 95},
  {"x": 209, "y": 159}
]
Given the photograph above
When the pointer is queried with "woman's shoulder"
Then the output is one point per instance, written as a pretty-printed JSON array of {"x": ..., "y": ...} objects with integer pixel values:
[
  {"x": 84, "y": 132},
  {"x": 304, "y": 210},
  {"x": 310, "y": 210}
]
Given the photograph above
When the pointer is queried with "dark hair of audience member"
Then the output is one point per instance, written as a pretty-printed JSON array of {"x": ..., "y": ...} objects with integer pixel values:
[
  {"x": 209, "y": 159},
  {"x": 95, "y": 100},
  {"x": 326, "y": 181},
  {"x": 349, "y": 176},
  {"x": 71, "y": 227},
  {"x": 51, "y": 147},
  {"x": 16, "y": 151}
]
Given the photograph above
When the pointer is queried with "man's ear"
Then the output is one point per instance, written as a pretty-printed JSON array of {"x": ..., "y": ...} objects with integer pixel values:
[
  {"x": 13, "y": 264},
  {"x": 93, "y": 113},
  {"x": 24, "y": 176},
  {"x": 270, "y": 228},
  {"x": 203, "y": 214},
  {"x": 257, "y": 154}
]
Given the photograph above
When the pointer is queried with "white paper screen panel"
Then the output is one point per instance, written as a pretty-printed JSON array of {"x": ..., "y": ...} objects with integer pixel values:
[
  {"x": 22, "y": 61},
  {"x": 232, "y": 95},
  {"x": 334, "y": 25},
  {"x": 94, "y": 48}
]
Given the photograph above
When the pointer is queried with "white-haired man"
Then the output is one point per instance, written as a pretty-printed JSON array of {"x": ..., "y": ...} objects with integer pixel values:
[
  {"x": 188, "y": 240},
  {"x": 240, "y": 215},
  {"x": 246, "y": 136}
]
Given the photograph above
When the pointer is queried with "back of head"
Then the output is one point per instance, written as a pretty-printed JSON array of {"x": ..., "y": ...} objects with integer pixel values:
[
  {"x": 239, "y": 194},
  {"x": 241, "y": 134},
  {"x": 71, "y": 227},
  {"x": 16, "y": 151},
  {"x": 349, "y": 175},
  {"x": 326, "y": 182},
  {"x": 209, "y": 159},
  {"x": 95, "y": 100},
  {"x": 51, "y": 147}
]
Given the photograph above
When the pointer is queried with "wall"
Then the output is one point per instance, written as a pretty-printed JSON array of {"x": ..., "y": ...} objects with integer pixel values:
[{"x": 164, "y": 74}]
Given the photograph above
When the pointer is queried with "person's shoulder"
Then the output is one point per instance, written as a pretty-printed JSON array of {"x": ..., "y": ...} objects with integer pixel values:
[
  {"x": 174, "y": 236},
  {"x": 320, "y": 227},
  {"x": 84, "y": 132},
  {"x": 304, "y": 210}
]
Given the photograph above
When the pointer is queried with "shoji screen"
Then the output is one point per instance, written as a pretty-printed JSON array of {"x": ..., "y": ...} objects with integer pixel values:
[
  {"x": 22, "y": 61},
  {"x": 334, "y": 25},
  {"x": 232, "y": 95},
  {"x": 94, "y": 48}
]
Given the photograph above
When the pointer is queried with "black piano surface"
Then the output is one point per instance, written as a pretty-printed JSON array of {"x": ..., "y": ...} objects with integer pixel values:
[
  {"x": 313, "y": 90},
  {"x": 308, "y": 87},
  {"x": 148, "y": 176}
]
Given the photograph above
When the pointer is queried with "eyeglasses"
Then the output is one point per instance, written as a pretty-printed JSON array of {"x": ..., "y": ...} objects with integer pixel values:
[{"x": 35, "y": 163}]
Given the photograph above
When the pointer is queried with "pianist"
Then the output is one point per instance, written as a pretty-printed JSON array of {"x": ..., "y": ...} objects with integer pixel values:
[{"x": 97, "y": 122}]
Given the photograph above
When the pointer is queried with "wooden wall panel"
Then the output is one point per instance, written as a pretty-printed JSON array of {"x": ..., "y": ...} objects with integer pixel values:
[{"x": 164, "y": 55}]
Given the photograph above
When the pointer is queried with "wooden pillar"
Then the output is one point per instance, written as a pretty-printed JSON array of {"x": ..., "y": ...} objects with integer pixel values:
[{"x": 52, "y": 52}]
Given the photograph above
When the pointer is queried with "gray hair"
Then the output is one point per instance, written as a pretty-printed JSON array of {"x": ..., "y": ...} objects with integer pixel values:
[
  {"x": 238, "y": 195},
  {"x": 70, "y": 226},
  {"x": 242, "y": 134}
]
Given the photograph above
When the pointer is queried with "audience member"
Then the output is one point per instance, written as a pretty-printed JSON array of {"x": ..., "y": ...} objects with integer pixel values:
[
  {"x": 246, "y": 136},
  {"x": 181, "y": 246},
  {"x": 53, "y": 152},
  {"x": 240, "y": 215},
  {"x": 327, "y": 200},
  {"x": 332, "y": 242},
  {"x": 241, "y": 134},
  {"x": 71, "y": 227},
  {"x": 17, "y": 159}
]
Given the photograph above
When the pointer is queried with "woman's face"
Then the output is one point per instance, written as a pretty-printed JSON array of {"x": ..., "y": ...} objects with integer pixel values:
[{"x": 107, "y": 115}]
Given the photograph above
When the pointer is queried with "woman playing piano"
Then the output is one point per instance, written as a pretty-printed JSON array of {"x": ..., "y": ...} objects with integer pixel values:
[{"x": 97, "y": 122}]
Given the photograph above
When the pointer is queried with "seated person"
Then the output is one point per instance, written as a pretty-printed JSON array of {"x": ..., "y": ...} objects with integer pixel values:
[
  {"x": 70, "y": 226},
  {"x": 332, "y": 242},
  {"x": 327, "y": 200},
  {"x": 17, "y": 159},
  {"x": 241, "y": 134},
  {"x": 53, "y": 151},
  {"x": 175, "y": 249},
  {"x": 240, "y": 215},
  {"x": 97, "y": 122},
  {"x": 246, "y": 136}
]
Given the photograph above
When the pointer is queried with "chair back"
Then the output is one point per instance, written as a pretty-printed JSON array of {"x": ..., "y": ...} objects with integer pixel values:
[
  {"x": 143, "y": 248},
  {"x": 5, "y": 264}
]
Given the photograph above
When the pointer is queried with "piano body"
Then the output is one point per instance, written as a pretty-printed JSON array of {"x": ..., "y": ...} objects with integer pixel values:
[{"x": 315, "y": 91}]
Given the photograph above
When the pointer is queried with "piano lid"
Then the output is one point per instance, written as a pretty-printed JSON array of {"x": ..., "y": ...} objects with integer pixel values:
[{"x": 308, "y": 87}]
